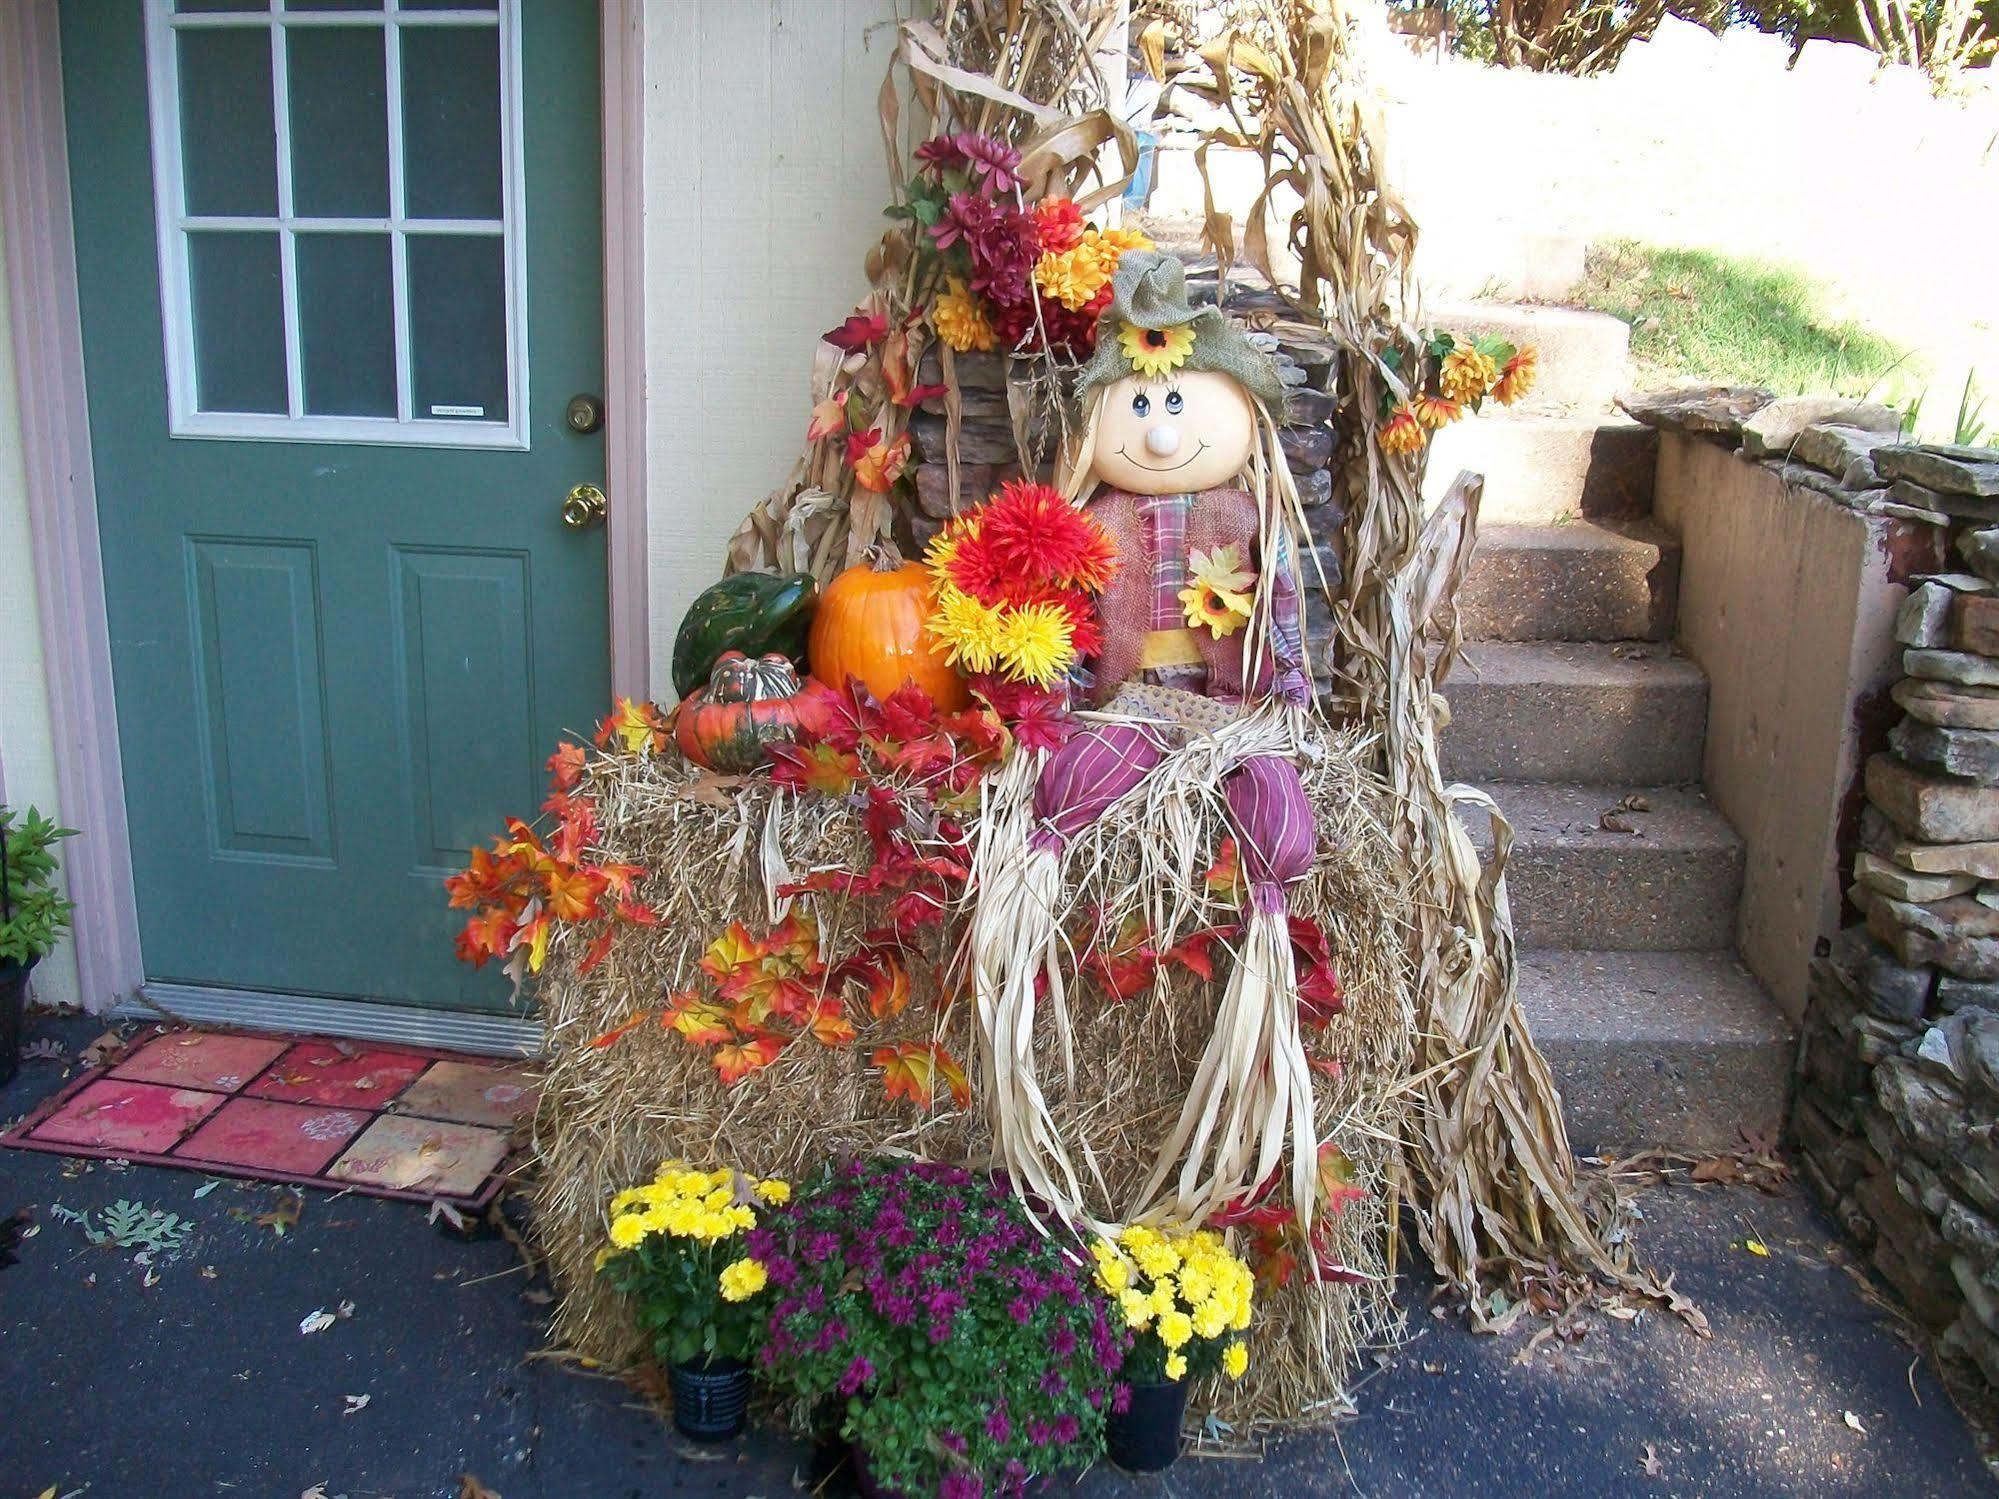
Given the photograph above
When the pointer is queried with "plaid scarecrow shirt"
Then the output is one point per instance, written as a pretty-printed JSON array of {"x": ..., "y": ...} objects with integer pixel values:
[{"x": 1165, "y": 519}]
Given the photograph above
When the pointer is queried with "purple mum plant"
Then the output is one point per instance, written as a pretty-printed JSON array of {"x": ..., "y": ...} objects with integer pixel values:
[{"x": 964, "y": 1351}]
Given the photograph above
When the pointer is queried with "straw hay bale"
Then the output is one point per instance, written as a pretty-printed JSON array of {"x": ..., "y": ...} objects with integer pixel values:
[{"x": 610, "y": 1114}]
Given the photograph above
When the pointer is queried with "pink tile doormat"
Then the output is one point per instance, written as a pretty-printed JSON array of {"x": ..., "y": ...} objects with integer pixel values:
[{"x": 393, "y": 1121}]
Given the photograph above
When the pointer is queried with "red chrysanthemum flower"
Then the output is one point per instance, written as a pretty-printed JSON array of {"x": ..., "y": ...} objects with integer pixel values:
[
  {"x": 1059, "y": 223},
  {"x": 977, "y": 568},
  {"x": 1041, "y": 538}
]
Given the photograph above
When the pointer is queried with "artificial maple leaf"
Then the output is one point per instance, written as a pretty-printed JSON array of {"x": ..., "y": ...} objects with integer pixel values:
[
  {"x": 794, "y": 943},
  {"x": 572, "y": 894},
  {"x": 737, "y": 1060},
  {"x": 1320, "y": 997},
  {"x": 1042, "y": 722},
  {"x": 921, "y": 759},
  {"x": 882, "y": 976},
  {"x": 908, "y": 713},
  {"x": 914, "y": 909},
  {"x": 1195, "y": 952},
  {"x": 819, "y": 767},
  {"x": 618, "y": 878},
  {"x": 827, "y": 716},
  {"x": 978, "y": 731},
  {"x": 481, "y": 879},
  {"x": 1224, "y": 877},
  {"x": 877, "y": 463},
  {"x": 597, "y": 951},
  {"x": 759, "y": 993},
  {"x": 828, "y": 417},
  {"x": 911, "y": 1071},
  {"x": 1336, "y": 1175},
  {"x": 621, "y": 1030},
  {"x": 860, "y": 331},
  {"x": 1126, "y": 966},
  {"x": 828, "y": 1023},
  {"x": 532, "y": 938},
  {"x": 734, "y": 949},
  {"x": 696, "y": 1020},
  {"x": 634, "y": 726},
  {"x": 565, "y": 766},
  {"x": 576, "y": 824},
  {"x": 637, "y": 912}
]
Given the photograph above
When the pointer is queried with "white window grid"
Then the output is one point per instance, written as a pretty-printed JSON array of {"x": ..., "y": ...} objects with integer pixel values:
[{"x": 405, "y": 428}]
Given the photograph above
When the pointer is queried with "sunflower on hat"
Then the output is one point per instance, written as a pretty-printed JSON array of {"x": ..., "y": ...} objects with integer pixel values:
[{"x": 1156, "y": 351}]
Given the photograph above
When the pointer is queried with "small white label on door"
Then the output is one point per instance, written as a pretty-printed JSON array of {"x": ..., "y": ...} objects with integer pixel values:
[{"x": 458, "y": 411}]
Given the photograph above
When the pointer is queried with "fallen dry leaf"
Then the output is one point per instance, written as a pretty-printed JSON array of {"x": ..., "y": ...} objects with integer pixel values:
[
  {"x": 1650, "y": 1464},
  {"x": 1853, "y": 1421},
  {"x": 355, "y": 1403},
  {"x": 470, "y": 1488},
  {"x": 712, "y": 789},
  {"x": 102, "y": 1049}
]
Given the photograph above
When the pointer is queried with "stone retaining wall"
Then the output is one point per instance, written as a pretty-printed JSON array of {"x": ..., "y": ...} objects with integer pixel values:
[{"x": 1897, "y": 1082}]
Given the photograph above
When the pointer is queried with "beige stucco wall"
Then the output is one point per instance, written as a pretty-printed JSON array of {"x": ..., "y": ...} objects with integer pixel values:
[
  {"x": 27, "y": 750},
  {"x": 765, "y": 177},
  {"x": 1787, "y": 602}
]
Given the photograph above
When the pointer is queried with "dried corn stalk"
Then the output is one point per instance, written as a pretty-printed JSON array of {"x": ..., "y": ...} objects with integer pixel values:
[{"x": 1488, "y": 1161}]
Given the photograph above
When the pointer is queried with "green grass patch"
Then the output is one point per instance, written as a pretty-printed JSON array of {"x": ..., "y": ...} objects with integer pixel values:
[{"x": 1699, "y": 315}]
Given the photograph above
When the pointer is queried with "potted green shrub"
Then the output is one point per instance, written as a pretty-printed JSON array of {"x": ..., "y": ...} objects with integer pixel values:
[
  {"x": 956, "y": 1349},
  {"x": 676, "y": 1249},
  {"x": 33, "y": 916},
  {"x": 1185, "y": 1299}
]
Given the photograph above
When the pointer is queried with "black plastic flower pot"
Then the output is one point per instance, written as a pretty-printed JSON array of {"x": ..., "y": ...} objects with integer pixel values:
[
  {"x": 1145, "y": 1438},
  {"x": 710, "y": 1402},
  {"x": 13, "y": 996}
]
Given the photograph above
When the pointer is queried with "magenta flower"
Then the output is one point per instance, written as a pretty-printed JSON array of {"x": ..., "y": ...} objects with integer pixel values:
[
  {"x": 994, "y": 165},
  {"x": 859, "y": 1372}
]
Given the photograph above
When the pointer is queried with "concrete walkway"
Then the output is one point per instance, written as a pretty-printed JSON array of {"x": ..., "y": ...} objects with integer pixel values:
[{"x": 203, "y": 1384}]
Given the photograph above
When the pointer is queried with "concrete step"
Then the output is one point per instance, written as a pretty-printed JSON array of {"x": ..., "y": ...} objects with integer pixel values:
[
  {"x": 1586, "y": 580},
  {"x": 1544, "y": 469},
  {"x": 1633, "y": 715},
  {"x": 1585, "y": 356},
  {"x": 1666, "y": 872},
  {"x": 1680, "y": 1049}
]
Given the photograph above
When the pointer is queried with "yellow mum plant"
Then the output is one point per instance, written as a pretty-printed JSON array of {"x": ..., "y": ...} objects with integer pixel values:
[
  {"x": 680, "y": 1247},
  {"x": 1185, "y": 1296}
]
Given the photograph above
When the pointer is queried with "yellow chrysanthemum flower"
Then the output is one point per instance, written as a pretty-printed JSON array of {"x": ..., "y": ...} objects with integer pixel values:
[
  {"x": 1113, "y": 1275},
  {"x": 1467, "y": 373},
  {"x": 773, "y": 1191},
  {"x": 1156, "y": 351},
  {"x": 743, "y": 1279},
  {"x": 1137, "y": 1309},
  {"x": 1037, "y": 644},
  {"x": 960, "y": 319},
  {"x": 627, "y": 1231},
  {"x": 1072, "y": 277},
  {"x": 1176, "y": 1329},
  {"x": 1211, "y": 1319},
  {"x": 1235, "y": 1361},
  {"x": 1176, "y": 1366},
  {"x": 602, "y": 1257},
  {"x": 970, "y": 632},
  {"x": 1156, "y": 1259},
  {"x": 1117, "y": 240}
]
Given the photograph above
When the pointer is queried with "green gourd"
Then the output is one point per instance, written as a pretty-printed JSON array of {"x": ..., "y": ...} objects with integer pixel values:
[{"x": 758, "y": 614}]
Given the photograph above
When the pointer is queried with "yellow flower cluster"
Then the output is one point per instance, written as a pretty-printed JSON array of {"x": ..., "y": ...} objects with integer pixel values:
[
  {"x": 960, "y": 319},
  {"x": 1180, "y": 1285},
  {"x": 743, "y": 1279},
  {"x": 684, "y": 1204},
  {"x": 1074, "y": 276}
]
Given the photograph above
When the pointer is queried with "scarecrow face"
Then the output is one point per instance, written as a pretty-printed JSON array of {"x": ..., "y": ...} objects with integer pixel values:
[{"x": 1174, "y": 434}]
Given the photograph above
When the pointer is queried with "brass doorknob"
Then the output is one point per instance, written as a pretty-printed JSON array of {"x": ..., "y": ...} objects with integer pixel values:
[{"x": 583, "y": 507}]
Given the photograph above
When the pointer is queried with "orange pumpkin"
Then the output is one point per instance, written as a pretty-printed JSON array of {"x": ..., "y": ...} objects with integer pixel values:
[{"x": 869, "y": 625}]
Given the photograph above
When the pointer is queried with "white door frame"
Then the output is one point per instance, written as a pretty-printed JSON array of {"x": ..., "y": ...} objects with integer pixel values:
[{"x": 40, "y": 265}]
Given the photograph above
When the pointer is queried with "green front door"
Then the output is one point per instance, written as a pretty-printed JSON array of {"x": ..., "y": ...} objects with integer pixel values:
[{"x": 340, "y": 274}]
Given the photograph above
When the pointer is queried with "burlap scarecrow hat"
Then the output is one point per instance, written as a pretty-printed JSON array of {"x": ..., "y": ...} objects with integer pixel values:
[{"x": 1148, "y": 296}]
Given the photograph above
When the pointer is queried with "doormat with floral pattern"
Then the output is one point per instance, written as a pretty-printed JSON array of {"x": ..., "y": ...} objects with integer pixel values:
[{"x": 391, "y": 1121}]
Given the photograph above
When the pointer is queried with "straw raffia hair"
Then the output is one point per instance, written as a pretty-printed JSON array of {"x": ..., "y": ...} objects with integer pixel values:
[{"x": 610, "y": 1114}]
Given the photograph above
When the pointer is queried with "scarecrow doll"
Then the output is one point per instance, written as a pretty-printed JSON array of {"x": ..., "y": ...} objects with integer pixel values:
[{"x": 1202, "y": 654}]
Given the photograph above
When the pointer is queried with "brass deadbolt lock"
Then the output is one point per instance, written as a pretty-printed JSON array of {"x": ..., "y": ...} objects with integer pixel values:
[
  {"x": 583, "y": 508},
  {"x": 584, "y": 414}
]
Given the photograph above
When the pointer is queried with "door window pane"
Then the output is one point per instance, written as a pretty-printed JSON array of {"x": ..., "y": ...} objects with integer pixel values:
[
  {"x": 347, "y": 324},
  {"x": 458, "y": 326},
  {"x": 338, "y": 82},
  {"x": 237, "y": 298},
  {"x": 451, "y": 121},
  {"x": 339, "y": 256},
  {"x": 228, "y": 144}
]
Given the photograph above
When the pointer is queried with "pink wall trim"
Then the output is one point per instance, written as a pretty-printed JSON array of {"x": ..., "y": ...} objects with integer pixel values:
[
  {"x": 62, "y": 499},
  {"x": 623, "y": 34}
]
